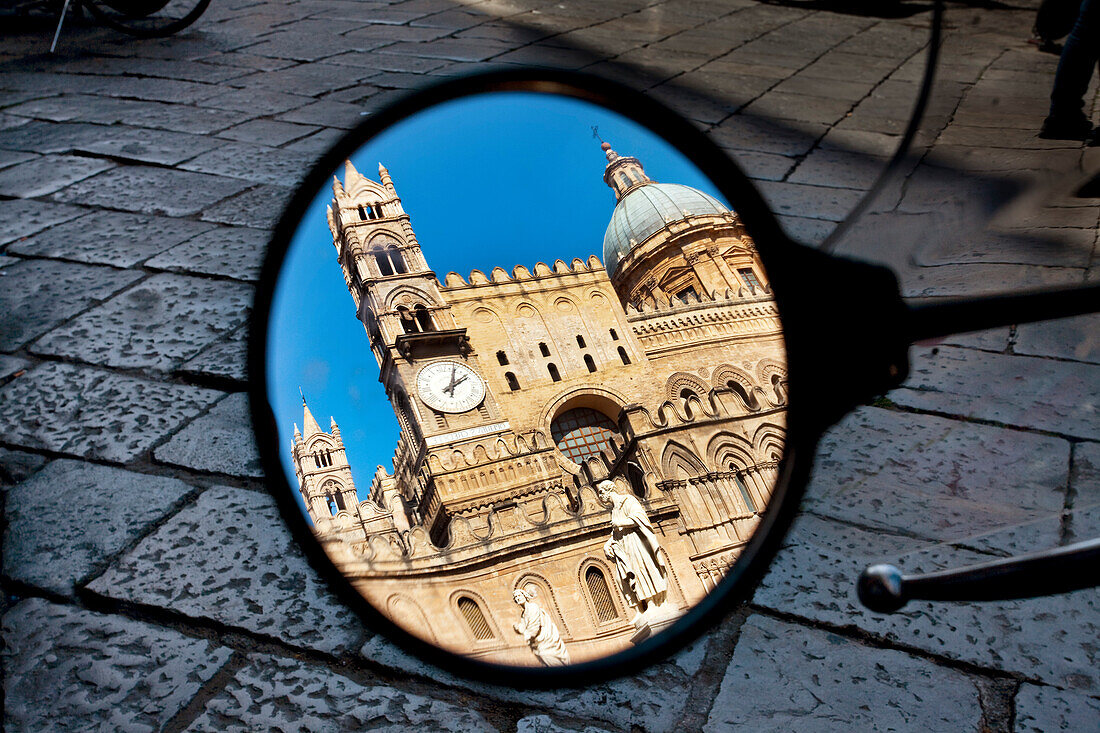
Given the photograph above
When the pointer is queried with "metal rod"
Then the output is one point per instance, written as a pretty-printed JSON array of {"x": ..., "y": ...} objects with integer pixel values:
[
  {"x": 932, "y": 320},
  {"x": 883, "y": 588},
  {"x": 57, "y": 33}
]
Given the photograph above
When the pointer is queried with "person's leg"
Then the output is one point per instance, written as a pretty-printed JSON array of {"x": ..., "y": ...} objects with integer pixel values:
[{"x": 1079, "y": 56}]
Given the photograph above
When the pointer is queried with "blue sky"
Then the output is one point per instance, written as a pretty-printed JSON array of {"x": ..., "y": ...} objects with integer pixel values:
[{"x": 500, "y": 179}]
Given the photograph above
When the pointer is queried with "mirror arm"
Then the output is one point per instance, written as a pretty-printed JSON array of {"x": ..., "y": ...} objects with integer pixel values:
[
  {"x": 929, "y": 320},
  {"x": 883, "y": 588},
  {"x": 847, "y": 330}
]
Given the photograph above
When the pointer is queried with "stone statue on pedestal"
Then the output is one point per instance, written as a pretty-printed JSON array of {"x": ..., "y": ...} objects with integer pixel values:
[
  {"x": 634, "y": 549},
  {"x": 539, "y": 630}
]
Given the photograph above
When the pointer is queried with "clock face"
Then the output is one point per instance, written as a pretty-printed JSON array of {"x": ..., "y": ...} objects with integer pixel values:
[{"x": 449, "y": 386}]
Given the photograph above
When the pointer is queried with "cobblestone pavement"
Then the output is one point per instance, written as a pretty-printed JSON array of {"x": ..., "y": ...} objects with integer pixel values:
[{"x": 148, "y": 580}]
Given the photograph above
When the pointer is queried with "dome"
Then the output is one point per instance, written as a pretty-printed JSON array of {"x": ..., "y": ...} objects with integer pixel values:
[{"x": 646, "y": 210}]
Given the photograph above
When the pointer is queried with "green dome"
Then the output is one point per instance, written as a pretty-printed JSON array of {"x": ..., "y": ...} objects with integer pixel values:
[{"x": 646, "y": 210}]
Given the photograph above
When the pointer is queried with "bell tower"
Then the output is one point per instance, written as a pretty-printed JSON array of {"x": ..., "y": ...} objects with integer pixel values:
[
  {"x": 432, "y": 375},
  {"x": 321, "y": 465}
]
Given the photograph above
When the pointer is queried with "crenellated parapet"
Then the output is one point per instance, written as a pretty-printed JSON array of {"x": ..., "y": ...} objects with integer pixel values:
[{"x": 549, "y": 276}]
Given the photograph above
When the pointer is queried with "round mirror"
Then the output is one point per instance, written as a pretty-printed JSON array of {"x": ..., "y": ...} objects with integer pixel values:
[{"x": 525, "y": 376}]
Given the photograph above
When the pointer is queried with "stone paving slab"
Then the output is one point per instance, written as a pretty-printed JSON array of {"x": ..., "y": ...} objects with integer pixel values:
[
  {"x": 227, "y": 359},
  {"x": 1048, "y": 709},
  {"x": 654, "y": 698},
  {"x": 17, "y": 466},
  {"x": 118, "y": 141},
  {"x": 276, "y": 693},
  {"x": 152, "y": 190},
  {"x": 1047, "y": 639},
  {"x": 1074, "y": 339},
  {"x": 785, "y": 677},
  {"x": 267, "y": 132},
  {"x": 109, "y": 238},
  {"x": 221, "y": 441},
  {"x": 546, "y": 724},
  {"x": 229, "y": 558},
  {"x": 259, "y": 207},
  {"x": 94, "y": 413},
  {"x": 235, "y": 252},
  {"x": 936, "y": 478},
  {"x": 9, "y": 158},
  {"x": 66, "y": 669},
  {"x": 37, "y": 295},
  {"x": 55, "y": 543},
  {"x": 1042, "y": 394},
  {"x": 183, "y": 118},
  {"x": 19, "y": 218},
  {"x": 252, "y": 162},
  {"x": 159, "y": 323},
  {"x": 43, "y": 176}
]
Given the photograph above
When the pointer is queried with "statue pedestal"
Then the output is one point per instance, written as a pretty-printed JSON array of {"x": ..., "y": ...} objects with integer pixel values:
[{"x": 653, "y": 621}]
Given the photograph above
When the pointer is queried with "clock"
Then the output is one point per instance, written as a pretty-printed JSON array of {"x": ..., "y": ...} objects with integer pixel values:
[{"x": 449, "y": 386}]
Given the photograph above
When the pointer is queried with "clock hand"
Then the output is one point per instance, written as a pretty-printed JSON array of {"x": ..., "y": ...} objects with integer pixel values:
[
  {"x": 460, "y": 381},
  {"x": 450, "y": 388}
]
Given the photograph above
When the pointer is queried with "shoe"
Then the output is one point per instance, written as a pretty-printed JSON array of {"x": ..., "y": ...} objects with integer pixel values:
[{"x": 1065, "y": 128}]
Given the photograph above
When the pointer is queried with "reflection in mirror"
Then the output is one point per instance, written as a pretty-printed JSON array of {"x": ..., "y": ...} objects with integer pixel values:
[{"x": 549, "y": 458}]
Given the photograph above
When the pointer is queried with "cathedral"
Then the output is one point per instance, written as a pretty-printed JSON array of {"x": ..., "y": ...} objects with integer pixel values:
[{"x": 661, "y": 369}]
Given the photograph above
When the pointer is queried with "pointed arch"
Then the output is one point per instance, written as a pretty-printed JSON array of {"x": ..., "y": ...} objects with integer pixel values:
[
  {"x": 679, "y": 462},
  {"x": 406, "y": 613}
]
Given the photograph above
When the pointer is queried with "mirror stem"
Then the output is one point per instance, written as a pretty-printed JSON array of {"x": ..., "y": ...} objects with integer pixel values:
[
  {"x": 936, "y": 319},
  {"x": 883, "y": 589}
]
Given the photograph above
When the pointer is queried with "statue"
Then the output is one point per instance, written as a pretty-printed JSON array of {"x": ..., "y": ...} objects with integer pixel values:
[
  {"x": 635, "y": 551},
  {"x": 539, "y": 630}
]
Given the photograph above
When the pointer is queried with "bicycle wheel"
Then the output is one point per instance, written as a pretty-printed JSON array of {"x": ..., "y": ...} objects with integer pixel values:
[{"x": 147, "y": 18}]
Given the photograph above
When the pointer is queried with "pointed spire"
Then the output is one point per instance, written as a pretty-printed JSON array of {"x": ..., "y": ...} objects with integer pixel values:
[
  {"x": 337, "y": 187},
  {"x": 623, "y": 175},
  {"x": 308, "y": 422},
  {"x": 350, "y": 173},
  {"x": 384, "y": 178},
  {"x": 333, "y": 427},
  {"x": 297, "y": 433}
]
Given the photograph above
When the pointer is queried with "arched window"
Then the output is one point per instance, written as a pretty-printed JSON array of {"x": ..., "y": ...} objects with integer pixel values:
[
  {"x": 362, "y": 213},
  {"x": 582, "y": 432},
  {"x": 383, "y": 260},
  {"x": 502, "y": 358},
  {"x": 553, "y": 369},
  {"x": 544, "y": 349},
  {"x": 331, "y": 505},
  {"x": 513, "y": 383},
  {"x": 745, "y": 495},
  {"x": 475, "y": 619},
  {"x": 580, "y": 341},
  {"x": 389, "y": 261},
  {"x": 600, "y": 594},
  {"x": 625, "y": 180},
  {"x": 614, "y": 336},
  {"x": 340, "y": 501},
  {"x": 423, "y": 318},
  {"x": 637, "y": 480},
  {"x": 623, "y": 356},
  {"x": 408, "y": 321},
  {"x": 588, "y": 362}
]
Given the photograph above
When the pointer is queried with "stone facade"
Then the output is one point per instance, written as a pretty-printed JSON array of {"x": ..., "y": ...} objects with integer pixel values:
[{"x": 663, "y": 371}]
